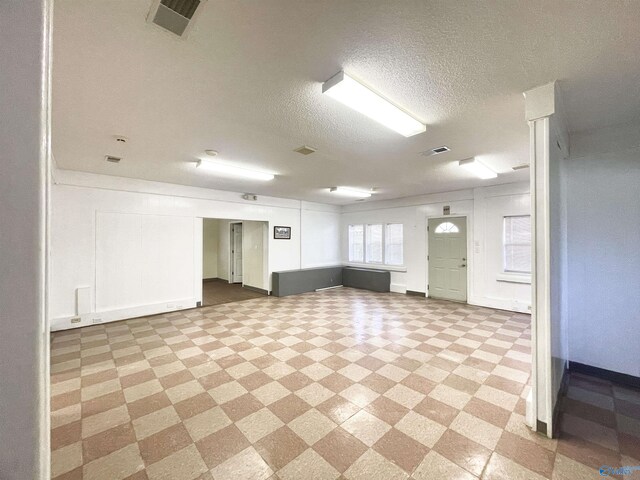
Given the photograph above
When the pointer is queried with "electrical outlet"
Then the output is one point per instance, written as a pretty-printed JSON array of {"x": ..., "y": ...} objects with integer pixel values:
[{"x": 76, "y": 320}]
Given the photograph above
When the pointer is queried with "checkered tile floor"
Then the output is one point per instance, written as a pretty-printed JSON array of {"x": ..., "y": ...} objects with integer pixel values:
[{"x": 339, "y": 384}]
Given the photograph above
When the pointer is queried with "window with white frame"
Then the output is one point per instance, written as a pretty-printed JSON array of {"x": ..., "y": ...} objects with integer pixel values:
[
  {"x": 356, "y": 243},
  {"x": 373, "y": 244},
  {"x": 517, "y": 244},
  {"x": 393, "y": 240},
  {"x": 376, "y": 243}
]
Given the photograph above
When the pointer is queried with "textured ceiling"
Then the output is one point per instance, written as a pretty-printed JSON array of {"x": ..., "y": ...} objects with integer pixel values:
[{"x": 247, "y": 82}]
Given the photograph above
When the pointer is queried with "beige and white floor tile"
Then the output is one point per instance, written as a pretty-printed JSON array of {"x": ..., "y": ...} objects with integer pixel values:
[
  {"x": 221, "y": 391},
  {"x": 186, "y": 464},
  {"x": 435, "y": 466},
  {"x": 373, "y": 466},
  {"x": 308, "y": 465},
  {"x": 311, "y": 426},
  {"x": 259, "y": 424},
  {"x": 366, "y": 427},
  {"x": 206, "y": 423}
]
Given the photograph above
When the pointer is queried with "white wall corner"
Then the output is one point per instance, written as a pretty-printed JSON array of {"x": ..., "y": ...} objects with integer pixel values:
[
  {"x": 546, "y": 101},
  {"x": 540, "y": 101}
]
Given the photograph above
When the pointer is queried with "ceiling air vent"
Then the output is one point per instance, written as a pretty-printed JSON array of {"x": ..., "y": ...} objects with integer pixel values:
[
  {"x": 174, "y": 15},
  {"x": 436, "y": 151},
  {"x": 305, "y": 150}
]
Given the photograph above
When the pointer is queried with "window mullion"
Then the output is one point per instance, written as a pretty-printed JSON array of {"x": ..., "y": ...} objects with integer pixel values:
[
  {"x": 364, "y": 243},
  {"x": 384, "y": 236}
]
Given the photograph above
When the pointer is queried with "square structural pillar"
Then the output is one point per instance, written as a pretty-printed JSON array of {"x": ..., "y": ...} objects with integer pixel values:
[
  {"x": 549, "y": 145},
  {"x": 25, "y": 63}
]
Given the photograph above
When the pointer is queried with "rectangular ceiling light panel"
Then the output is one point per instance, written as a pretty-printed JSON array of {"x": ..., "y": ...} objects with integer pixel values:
[
  {"x": 225, "y": 169},
  {"x": 350, "y": 192},
  {"x": 477, "y": 168},
  {"x": 354, "y": 94}
]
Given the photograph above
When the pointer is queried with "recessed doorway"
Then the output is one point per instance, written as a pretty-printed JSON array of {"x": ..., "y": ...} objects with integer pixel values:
[
  {"x": 234, "y": 260},
  {"x": 447, "y": 258}
]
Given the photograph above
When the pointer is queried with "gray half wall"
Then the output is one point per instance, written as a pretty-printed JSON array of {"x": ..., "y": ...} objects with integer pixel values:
[{"x": 307, "y": 280}]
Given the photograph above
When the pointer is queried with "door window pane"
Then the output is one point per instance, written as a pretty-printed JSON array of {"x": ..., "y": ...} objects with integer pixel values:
[{"x": 447, "y": 227}]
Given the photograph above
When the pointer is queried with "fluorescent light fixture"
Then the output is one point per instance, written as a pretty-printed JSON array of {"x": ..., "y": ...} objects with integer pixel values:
[
  {"x": 232, "y": 171},
  {"x": 477, "y": 168},
  {"x": 350, "y": 192},
  {"x": 354, "y": 94}
]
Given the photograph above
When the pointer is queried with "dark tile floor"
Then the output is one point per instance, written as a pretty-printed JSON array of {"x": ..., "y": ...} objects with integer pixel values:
[{"x": 218, "y": 291}]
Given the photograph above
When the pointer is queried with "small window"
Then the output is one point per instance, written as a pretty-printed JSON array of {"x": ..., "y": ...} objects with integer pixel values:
[
  {"x": 517, "y": 244},
  {"x": 356, "y": 243},
  {"x": 447, "y": 227}
]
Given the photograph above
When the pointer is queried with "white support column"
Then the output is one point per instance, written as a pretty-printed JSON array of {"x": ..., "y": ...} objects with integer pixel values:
[
  {"x": 548, "y": 143},
  {"x": 24, "y": 179}
]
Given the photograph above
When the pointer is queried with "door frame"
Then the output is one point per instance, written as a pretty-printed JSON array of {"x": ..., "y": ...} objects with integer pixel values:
[
  {"x": 231, "y": 252},
  {"x": 469, "y": 223}
]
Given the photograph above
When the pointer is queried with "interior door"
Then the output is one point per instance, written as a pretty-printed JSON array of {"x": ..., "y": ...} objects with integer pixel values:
[
  {"x": 448, "y": 258},
  {"x": 236, "y": 253}
]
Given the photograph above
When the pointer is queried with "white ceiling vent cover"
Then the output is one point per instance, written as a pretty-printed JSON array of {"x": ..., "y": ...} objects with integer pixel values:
[
  {"x": 305, "y": 150},
  {"x": 176, "y": 16}
]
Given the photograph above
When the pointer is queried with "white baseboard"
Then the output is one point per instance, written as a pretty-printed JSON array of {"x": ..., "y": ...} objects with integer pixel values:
[
  {"x": 87, "y": 319},
  {"x": 500, "y": 304},
  {"x": 398, "y": 288}
]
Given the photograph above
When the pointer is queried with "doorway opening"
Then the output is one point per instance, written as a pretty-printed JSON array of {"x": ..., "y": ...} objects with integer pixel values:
[
  {"x": 234, "y": 260},
  {"x": 447, "y": 258},
  {"x": 236, "y": 253}
]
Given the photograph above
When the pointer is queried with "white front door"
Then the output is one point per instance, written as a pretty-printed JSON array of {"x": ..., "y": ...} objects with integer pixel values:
[
  {"x": 236, "y": 253},
  {"x": 448, "y": 258}
]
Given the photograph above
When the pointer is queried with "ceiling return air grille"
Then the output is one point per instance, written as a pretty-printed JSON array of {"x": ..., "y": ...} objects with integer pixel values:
[
  {"x": 176, "y": 16},
  {"x": 436, "y": 151}
]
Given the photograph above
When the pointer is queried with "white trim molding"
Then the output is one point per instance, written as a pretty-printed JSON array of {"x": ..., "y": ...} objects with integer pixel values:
[{"x": 514, "y": 277}]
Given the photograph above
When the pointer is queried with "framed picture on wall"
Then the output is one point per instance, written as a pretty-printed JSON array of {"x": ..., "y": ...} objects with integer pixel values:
[{"x": 282, "y": 233}]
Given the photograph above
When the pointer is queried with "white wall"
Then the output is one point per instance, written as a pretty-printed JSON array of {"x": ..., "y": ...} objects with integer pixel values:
[
  {"x": 603, "y": 248},
  {"x": 145, "y": 259},
  {"x": 210, "y": 241},
  {"x": 485, "y": 209},
  {"x": 24, "y": 182},
  {"x": 78, "y": 198},
  {"x": 320, "y": 230}
]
